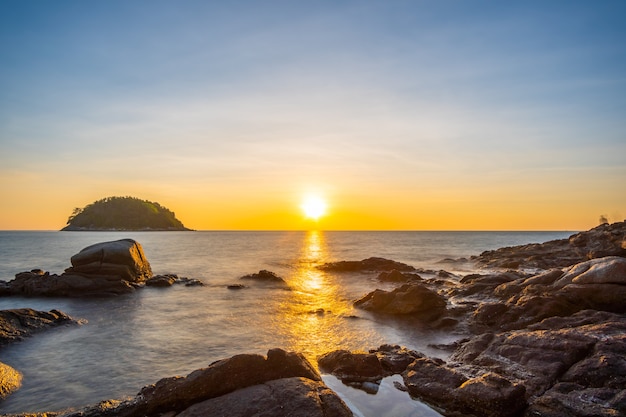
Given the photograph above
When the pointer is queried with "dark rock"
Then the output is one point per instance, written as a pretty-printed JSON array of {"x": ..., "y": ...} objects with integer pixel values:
[
  {"x": 397, "y": 276},
  {"x": 352, "y": 367},
  {"x": 236, "y": 287},
  {"x": 574, "y": 400},
  {"x": 369, "y": 265},
  {"x": 161, "y": 281},
  {"x": 604, "y": 240},
  {"x": 224, "y": 377},
  {"x": 103, "y": 269},
  {"x": 19, "y": 323},
  {"x": 394, "y": 358},
  {"x": 67, "y": 285},
  {"x": 288, "y": 397},
  {"x": 122, "y": 258},
  {"x": 264, "y": 276},
  {"x": 486, "y": 395},
  {"x": 410, "y": 299}
]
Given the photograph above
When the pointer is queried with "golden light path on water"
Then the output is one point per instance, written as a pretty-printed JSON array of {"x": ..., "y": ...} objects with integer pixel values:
[{"x": 316, "y": 317}]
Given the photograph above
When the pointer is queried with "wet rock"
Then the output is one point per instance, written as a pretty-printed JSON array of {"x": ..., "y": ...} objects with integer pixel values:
[
  {"x": 373, "y": 264},
  {"x": 236, "y": 287},
  {"x": 394, "y": 359},
  {"x": 264, "y": 276},
  {"x": 161, "y": 281},
  {"x": 67, "y": 285},
  {"x": 228, "y": 388},
  {"x": 397, "y": 276},
  {"x": 168, "y": 280},
  {"x": 573, "y": 400},
  {"x": 604, "y": 240},
  {"x": 410, "y": 299},
  {"x": 352, "y": 367},
  {"x": 19, "y": 323}
]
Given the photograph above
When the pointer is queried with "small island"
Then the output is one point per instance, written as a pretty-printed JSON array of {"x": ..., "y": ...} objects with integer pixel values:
[{"x": 123, "y": 213}]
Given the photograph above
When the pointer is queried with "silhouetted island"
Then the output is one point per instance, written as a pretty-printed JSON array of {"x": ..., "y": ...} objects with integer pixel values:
[{"x": 123, "y": 213}]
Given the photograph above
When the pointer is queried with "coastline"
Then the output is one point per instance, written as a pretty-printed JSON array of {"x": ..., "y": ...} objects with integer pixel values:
[{"x": 480, "y": 317}]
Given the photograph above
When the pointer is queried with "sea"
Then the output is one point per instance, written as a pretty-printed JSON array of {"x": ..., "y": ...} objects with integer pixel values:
[{"x": 127, "y": 342}]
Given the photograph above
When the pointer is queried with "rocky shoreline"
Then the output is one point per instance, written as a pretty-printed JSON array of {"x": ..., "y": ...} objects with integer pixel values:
[{"x": 547, "y": 325}]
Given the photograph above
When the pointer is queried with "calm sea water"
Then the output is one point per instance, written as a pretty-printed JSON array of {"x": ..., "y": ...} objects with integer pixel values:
[{"x": 134, "y": 340}]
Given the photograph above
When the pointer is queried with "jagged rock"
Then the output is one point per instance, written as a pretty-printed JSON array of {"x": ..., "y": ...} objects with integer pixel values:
[
  {"x": 231, "y": 387},
  {"x": 397, "y": 276},
  {"x": 373, "y": 264},
  {"x": 410, "y": 299},
  {"x": 604, "y": 240},
  {"x": 167, "y": 280},
  {"x": 19, "y": 323},
  {"x": 66, "y": 285},
  {"x": 352, "y": 367}
]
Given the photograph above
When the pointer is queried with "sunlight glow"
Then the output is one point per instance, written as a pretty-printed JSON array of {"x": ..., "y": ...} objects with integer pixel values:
[{"x": 313, "y": 207}]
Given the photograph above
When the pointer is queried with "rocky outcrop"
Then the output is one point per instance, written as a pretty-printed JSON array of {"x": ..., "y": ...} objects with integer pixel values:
[
  {"x": 410, "y": 299},
  {"x": 103, "y": 269},
  {"x": 19, "y": 323},
  {"x": 604, "y": 240},
  {"x": 281, "y": 384},
  {"x": 367, "y": 265}
]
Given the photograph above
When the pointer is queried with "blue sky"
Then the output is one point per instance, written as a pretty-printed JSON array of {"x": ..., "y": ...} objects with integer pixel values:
[{"x": 216, "y": 107}]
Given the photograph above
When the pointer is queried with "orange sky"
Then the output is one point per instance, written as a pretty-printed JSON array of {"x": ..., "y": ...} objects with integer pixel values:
[{"x": 402, "y": 115}]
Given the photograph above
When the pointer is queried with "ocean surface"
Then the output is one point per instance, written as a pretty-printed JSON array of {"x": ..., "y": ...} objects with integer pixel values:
[{"x": 134, "y": 340}]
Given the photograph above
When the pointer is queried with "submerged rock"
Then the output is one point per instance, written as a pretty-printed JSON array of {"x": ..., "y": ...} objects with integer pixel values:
[{"x": 264, "y": 276}]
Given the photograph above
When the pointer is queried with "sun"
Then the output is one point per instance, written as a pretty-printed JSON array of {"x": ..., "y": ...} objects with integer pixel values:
[{"x": 313, "y": 207}]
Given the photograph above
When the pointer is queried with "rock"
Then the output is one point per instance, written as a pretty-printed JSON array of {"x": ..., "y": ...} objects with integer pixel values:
[
  {"x": 604, "y": 240},
  {"x": 265, "y": 276},
  {"x": 19, "y": 323},
  {"x": 607, "y": 270},
  {"x": 224, "y": 386},
  {"x": 368, "y": 265},
  {"x": 410, "y": 299},
  {"x": 289, "y": 397},
  {"x": 10, "y": 380},
  {"x": 236, "y": 287},
  {"x": 352, "y": 367},
  {"x": 394, "y": 359},
  {"x": 161, "y": 281},
  {"x": 67, "y": 285},
  {"x": 122, "y": 258},
  {"x": 397, "y": 276}
]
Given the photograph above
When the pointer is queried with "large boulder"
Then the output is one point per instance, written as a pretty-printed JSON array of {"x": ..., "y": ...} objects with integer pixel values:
[
  {"x": 121, "y": 258},
  {"x": 410, "y": 299},
  {"x": 107, "y": 268},
  {"x": 239, "y": 386}
]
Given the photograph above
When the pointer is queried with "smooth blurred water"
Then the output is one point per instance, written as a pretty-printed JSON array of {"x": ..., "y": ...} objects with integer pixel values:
[{"x": 134, "y": 340}]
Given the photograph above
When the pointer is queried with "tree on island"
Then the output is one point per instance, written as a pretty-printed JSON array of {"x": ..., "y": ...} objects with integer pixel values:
[{"x": 123, "y": 213}]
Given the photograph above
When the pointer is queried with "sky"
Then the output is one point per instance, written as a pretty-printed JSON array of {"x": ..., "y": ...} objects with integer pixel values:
[{"x": 401, "y": 115}]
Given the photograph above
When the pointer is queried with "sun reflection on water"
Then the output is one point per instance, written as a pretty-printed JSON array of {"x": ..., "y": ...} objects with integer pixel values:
[{"x": 314, "y": 318}]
